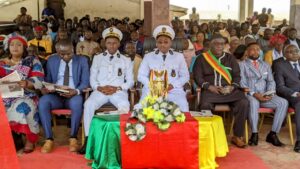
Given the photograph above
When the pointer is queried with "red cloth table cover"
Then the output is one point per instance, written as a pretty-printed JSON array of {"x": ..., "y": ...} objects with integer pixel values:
[{"x": 178, "y": 147}]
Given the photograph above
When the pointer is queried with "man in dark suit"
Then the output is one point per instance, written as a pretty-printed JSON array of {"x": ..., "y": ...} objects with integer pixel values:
[
  {"x": 287, "y": 78},
  {"x": 134, "y": 36},
  {"x": 71, "y": 71},
  {"x": 292, "y": 38}
]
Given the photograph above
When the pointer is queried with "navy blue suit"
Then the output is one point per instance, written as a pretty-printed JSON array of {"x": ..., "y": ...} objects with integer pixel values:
[
  {"x": 48, "y": 102},
  {"x": 139, "y": 48}
]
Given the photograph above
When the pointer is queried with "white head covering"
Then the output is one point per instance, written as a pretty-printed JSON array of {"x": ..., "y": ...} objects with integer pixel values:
[
  {"x": 112, "y": 32},
  {"x": 163, "y": 30}
]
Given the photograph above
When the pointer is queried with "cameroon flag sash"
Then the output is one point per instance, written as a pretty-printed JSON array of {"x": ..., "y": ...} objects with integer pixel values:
[{"x": 215, "y": 64}]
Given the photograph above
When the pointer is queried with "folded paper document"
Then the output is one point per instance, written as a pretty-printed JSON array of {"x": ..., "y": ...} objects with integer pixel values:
[{"x": 9, "y": 86}]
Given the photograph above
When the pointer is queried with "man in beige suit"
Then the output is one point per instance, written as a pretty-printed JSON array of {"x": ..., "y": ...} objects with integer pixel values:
[{"x": 194, "y": 17}]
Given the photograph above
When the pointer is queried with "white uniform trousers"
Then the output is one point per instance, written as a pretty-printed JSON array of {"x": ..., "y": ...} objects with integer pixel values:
[
  {"x": 280, "y": 105},
  {"x": 97, "y": 99}
]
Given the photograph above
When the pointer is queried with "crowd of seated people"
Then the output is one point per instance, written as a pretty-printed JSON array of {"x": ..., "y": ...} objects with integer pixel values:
[{"x": 217, "y": 54}]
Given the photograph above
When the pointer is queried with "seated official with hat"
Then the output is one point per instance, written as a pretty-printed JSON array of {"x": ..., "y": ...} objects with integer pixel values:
[
  {"x": 111, "y": 77},
  {"x": 165, "y": 59}
]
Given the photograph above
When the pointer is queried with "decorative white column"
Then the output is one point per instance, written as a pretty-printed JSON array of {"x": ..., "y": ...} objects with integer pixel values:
[
  {"x": 243, "y": 10},
  {"x": 295, "y": 14},
  {"x": 250, "y": 7}
]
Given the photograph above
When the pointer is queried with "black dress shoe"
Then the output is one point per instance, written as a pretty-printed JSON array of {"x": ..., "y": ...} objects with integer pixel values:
[
  {"x": 273, "y": 139},
  {"x": 19, "y": 144},
  {"x": 297, "y": 147},
  {"x": 253, "y": 141},
  {"x": 83, "y": 148}
]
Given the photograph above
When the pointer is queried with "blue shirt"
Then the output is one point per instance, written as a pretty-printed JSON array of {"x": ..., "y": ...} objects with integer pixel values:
[{"x": 48, "y": 11}]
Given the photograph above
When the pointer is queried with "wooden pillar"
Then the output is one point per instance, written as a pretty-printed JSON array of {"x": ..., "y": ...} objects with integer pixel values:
[
  {"x": 295, "y": 15},
  {"x": 250, "y": 7},
  {"x": 147, "y": 17},
  {"x": 243, "y": 10},
  {"x": 156, "y": 12}
]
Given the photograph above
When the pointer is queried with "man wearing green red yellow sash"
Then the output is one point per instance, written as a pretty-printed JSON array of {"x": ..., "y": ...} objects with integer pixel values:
[{"x": 218, "y": 74}]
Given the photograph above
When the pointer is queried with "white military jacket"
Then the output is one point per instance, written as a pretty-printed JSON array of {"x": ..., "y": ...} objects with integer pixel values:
[
  {"x": 114, "y": 70},
  {"x": 174, "y": 63}
]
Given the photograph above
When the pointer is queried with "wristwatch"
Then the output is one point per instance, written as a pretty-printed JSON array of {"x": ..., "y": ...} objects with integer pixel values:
[{"x": 119, "y": 88}]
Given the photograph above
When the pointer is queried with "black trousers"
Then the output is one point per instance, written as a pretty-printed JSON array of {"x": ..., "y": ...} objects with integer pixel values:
[
  {"x": 295, "y": 104},
  {"x": 240, "y": 109}
]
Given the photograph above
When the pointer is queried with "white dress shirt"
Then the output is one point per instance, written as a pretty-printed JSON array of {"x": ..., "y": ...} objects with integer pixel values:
[
  {"x": 61, "y": 73},
  {"x": 292, "y": 63}
]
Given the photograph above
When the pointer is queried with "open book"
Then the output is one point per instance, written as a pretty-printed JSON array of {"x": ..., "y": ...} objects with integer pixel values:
[
  {"x": 117, "y": 112},
  {"x": 9, "y": 86},
  {"x": 269, "y": 93},
  {"x": 57, "y": 88}
]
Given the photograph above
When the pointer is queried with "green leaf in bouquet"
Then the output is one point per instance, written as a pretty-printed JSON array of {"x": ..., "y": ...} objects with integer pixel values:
[
  {"x": 163, "y": 126},
  {"x": 180, "y": 118}
]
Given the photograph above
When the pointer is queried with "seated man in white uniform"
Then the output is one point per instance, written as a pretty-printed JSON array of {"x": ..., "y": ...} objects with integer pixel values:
[
  {"x": 110, "y": 78},
  {"x": 164, "y": 58}
]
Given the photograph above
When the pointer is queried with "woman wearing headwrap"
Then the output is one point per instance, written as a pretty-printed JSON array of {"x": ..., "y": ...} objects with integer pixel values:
[
  {"x": 277, "y": 42},
  {"x": 21, "y": 111}
]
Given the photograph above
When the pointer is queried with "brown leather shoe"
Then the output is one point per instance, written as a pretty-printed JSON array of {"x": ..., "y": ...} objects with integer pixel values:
[
  {"x": 48, "y": 146},
  {"x": 238, "y": 141},
  {"x": 73, "y": 145}
]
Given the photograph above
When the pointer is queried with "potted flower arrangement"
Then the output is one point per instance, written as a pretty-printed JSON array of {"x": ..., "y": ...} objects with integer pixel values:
[{"x": 156, "y": 109}]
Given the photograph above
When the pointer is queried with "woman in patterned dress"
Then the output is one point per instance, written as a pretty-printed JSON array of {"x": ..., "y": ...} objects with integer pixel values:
[{"x": 22, "y": 111}]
